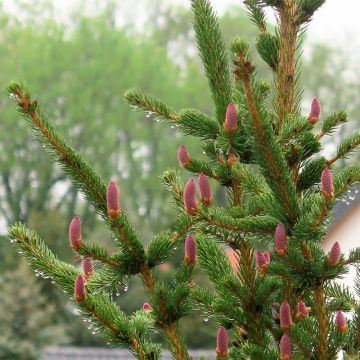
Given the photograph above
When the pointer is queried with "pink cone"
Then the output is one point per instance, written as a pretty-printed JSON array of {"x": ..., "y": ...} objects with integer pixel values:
[
  {"x": 205, "y": 190},
  {"x": 222, "y": 342},
  {"x": 341, "y": 322},
  {"x": 315, "y": 110},
  {"x": 190, "y": 250},
  {"x": 112, "y": 200},
  {"x": 285, "y": 347},
  {"x": 147, "y": 307},
  {"x": 280, "y": 240},
  {"x": 189, "y": 195},
  {"x": 79, "y": 289},
  {"x": 75, "y": 237},
  {"x": 302, "y": 310},
  {"x": 327, "y": 185},
  {"x": 183, "y": 156},
  {"x": 285, "y": 316},
  {"x": 87, "y": 266},
  {"x": 262, "y": 261},
  {"x": 334, "y": 254},
  {"x": 231, "y": 121}
]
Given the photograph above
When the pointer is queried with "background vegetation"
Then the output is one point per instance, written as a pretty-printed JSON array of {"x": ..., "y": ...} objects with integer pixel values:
[{"x": 80, "y": 68}]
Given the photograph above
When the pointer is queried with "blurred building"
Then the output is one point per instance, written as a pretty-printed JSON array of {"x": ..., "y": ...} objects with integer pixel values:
[
  {"x": 345, "y": 228},
  {"x": 77, "y": 353}
]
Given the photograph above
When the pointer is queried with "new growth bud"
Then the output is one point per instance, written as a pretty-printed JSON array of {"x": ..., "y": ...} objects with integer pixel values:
[
  {"x": 112, "y": 200},
  {"x": 280, "y": 240},
  {"x": 315, "y": 110},
  {"x": 75, "y": 237},
  {"x": 183, "y": 156},
  {"x": 147, "y": 307},
  {"x": 190, "y": 250},
  {"x": 262, "y": 262},
  {"x": 189, "y": 195},
  {"x": 230, "y": 123},
  {"x": 87, "y": 266},
  {"x": 302, "y": 310},
  {"x": 334, "y": 254},
  {"x": 341, "y": 323},
  {"x": 327, "y": 185},
  {"x": 285, "y": 347},
  {"x": 222, "y": 342},
  {"x": 205, "y": 191},
  {"x": 285, "y": 316},
  {"x": 79, "y": 289}
]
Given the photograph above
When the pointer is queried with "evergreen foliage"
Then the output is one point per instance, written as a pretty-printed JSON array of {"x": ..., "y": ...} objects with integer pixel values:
[{"x": 280, "y": 301}]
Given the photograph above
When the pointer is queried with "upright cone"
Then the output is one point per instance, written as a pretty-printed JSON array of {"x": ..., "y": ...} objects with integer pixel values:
[
  {"x": 75, "y": 237},
  {"x": 280, "y": 240},
  {"x": 205, "y": 190},
  {"x": 190, "y": 250},
  {"x": 183, "y": 156},
  {"x": 341, "y": 323},
  {"x": 285, "y": 316},
  {"x": 112, "y": 200},
  {"x": 79, "y": 289},
  {"x": 327, "y": 185},
  {"x": 315, "y": 110},
  {"x": 231, "y": 121},
  {"x": 285, "y": 347},
  {"x": 222, "y": 342},
  {"x": 334, "y": 254},
  {"x": 189, "y": 196},
  {"x": 87, "y": 266}
]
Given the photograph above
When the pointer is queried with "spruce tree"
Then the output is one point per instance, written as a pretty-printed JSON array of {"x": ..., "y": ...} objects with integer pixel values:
[{"x": 283, "y": 301}]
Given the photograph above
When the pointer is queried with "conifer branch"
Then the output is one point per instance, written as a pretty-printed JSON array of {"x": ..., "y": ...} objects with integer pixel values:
[
  {"x": 97, "y": 252},
  {"x": 81, "y": 174},
  {"x": 322, "y": 317},
  {"x": 345, "y": 147},
  {"x": 286, "y": 70},
  {"x": 213, "y": 54},
  {"x": 270, "y": 156}
]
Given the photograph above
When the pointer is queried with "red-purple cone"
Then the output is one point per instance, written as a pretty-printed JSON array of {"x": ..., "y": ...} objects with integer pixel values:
[
  {"x": 280, "y": 240},
  {"x": 87, "y": 266},
  {"x": 262, "y": 261},
  {"x": 222, "y": 342},
  {"x": 341, "y": 323},
  {"x": 334, "y": 254},
  {"x": 327, "y": 185},
  {"x": 315, "y": 110},
  {"x": 285, "y": 347},
  {"x": 285, "y": 316},
  {"x": 302, "y": 310},
  {"x": 112, "y": 200},
  {"x": 183, "y": 156},
  {"x": 190, "y": 250},
  {"x": 147, "y": 307},
  {"x": 75, "y": 237},
  {"x": 205, "y": 190},
  {"x": 79, "y": 289},
  {"x": 231, "y": 121},
  {"x": 190, "y": 202}
]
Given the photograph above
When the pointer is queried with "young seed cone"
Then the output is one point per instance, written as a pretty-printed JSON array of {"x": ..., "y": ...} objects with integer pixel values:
[
  {"x": 205, "y": 190},
  {"x": 112, "y": 200},
  {"x": 327, "y": 185},
  {"x": 285, "y": 316},
  {"x": 231, "y": 121},
  {"x": 79, "y": 289},
  {"x": 315, "y": 110},
  {"x": 87, "y": 266},
  {"x": 183, "y": 156},
  {"x": 75, "y": 237},
  {"x": 190, "y": 250},
  {"x": 334, "y": 254},
  {"x": 285, "y": 347},
  {"x": 341, "y": 322},
  {"x": 189, "y": 196},
  {"x": 222, "y": 342},
  {"x": 280, "y": 240}
]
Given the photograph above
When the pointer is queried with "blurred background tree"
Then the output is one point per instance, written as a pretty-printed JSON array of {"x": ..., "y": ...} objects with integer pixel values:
[{"x": 85, "y": 63}]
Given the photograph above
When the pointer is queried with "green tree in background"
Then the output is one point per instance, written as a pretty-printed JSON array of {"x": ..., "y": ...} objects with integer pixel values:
[{"x": 27, "y": 321}]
